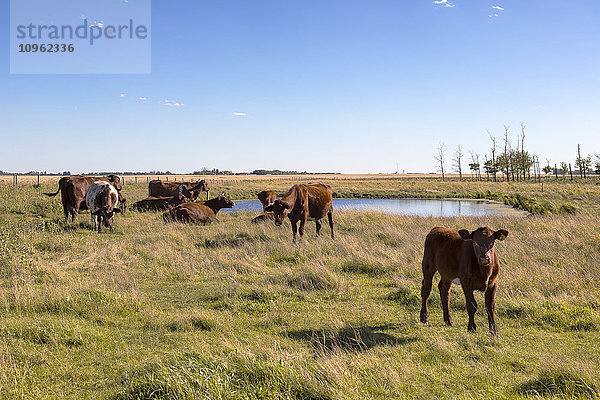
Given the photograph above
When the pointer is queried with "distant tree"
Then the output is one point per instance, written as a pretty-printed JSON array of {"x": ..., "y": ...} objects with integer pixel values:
[
  {"x": 580, "y": 162},
  {"x": 474, "y": 166},
  {"x": 564, "y": 167},
  {"x": 492, "y": 165},
  {"x": 597, "y": 163},
  {"x": 547, "y": 169},
  {"x": 523, "y": 156},
  {"x": 457, "y": 159},
  {"x": 440, "y": 158},
  {"x": 506, "y": 162}
]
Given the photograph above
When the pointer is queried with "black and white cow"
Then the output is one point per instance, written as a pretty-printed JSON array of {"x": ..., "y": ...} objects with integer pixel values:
[{"x": 102, "y": 200}]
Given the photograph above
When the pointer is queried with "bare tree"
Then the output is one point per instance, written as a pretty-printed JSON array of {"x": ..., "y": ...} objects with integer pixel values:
[
  {"x": 523, "y": 158},
  {"x": 457, "y": 159},
  {"x": 475, "y": 166},
  {"x": 440, "y": 158},
  {"x": 493, "y": 150},
  {"x": 507, "y": 160}
]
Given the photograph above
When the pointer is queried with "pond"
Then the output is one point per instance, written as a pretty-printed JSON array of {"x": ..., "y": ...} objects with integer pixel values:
[{"x": 420, "y": 207}]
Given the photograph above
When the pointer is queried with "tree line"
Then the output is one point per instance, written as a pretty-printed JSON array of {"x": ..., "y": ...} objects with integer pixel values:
[{"x": 508, "y": 160}]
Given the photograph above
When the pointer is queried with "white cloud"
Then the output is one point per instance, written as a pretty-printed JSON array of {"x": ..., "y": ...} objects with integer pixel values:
[
  {"x": 142, "y": 98},
  {"x": 498, "y": 8},
  {"x": 443, "y": 3},
  {"x": 493, "y": 15},
  {"x": 239, "y": 114},
  {"x": 122, "y": 95},
  {"x": 173, "y": 103}
]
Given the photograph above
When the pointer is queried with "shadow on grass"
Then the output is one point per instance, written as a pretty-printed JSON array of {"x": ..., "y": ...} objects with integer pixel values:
[
  {"x": 558, "y": 384},
  {"x": 350, "y": 339},
  {"x": 237, "y": 240}
]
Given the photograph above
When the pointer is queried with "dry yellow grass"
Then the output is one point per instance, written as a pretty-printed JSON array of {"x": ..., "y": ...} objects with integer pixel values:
[{"x": 235, "y": 310}]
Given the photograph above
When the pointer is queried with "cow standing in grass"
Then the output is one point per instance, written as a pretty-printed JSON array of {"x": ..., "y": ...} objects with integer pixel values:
[
  {"x": 266, "y": 198},
  {"x": 468, "y": 256},
  {"x": 73, "y": 190},
  {"x": 163, "y": 203},
  {"x": 304, "y": 201},
  {"x": 158, "y": 188},
  {"x": 201, "y": 212},
  {"x": 102, "y": 200}
]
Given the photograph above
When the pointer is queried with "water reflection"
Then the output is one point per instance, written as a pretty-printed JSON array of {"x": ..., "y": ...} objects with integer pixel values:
[{"x": 420, "y": 207}]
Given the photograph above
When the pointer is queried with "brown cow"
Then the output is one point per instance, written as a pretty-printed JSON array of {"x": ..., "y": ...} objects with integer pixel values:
[
  {"x": 74, "y": 188},
  {"x": 303, "y": 201},
  {"x": 102, "y": 199},
  {"x": 267, "y": 216},
  {"x": 158, "y": 188},
  {"x": 472, "y": 258},
  {"x": 151, "y": 203},
  {"x": 266, "y": 197},
  {"x": 201, "y": 212},
  {"x": 159, "y": 203}
]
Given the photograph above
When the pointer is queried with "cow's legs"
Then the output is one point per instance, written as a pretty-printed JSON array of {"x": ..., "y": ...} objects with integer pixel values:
[
  {"x": 471, "y": 305},
  {"x": 302, "y": 224},
  {"x": 490, "y": 306},
  {"x": 444, "y": 287},
  {"x": 318, "y": 223},
  {"x": 74, "y": 212},
  {"x": 330, "y": 218},
  {"x": 294, "y": 229},
  {"x": 428, "y": 273},
  {"x": 66, "y": 211}
]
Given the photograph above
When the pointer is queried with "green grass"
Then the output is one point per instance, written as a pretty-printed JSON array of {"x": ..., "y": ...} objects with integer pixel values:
[{"x": 236, "y": 311}]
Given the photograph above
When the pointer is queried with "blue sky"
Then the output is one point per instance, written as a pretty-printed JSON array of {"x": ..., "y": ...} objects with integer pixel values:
[{"x": 344, "y": 86}]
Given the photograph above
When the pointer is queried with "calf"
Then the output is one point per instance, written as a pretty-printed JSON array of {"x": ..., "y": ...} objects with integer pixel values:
[
  {"x": 303, "y": 201},
  {"x": 201, "y": 212},
  {"x": 266, "y": 197},
  {"x": 263, "y": 218},
  {"x": 472, "y": 258},
  {"x": 102, "y": 199}
]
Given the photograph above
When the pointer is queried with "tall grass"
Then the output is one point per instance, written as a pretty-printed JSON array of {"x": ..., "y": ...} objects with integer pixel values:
[{"x": 236, "y": 310}]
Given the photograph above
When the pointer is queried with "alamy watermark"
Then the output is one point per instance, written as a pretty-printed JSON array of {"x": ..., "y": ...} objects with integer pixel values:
[{"x": 80, "y": 36}]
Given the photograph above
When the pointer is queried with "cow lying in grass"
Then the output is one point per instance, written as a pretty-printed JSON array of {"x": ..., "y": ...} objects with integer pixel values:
[
  {"x": 468, "y": 256},
  {"x": 313, "y": 200},
  {"x": 267, "y": 216},
  {"x": 201, "y": 212},
  {"x": 102, "y": 200}
]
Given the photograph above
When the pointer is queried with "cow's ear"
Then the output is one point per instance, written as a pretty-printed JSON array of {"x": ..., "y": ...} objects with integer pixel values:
[
  {"x": 501, "y": 234},
  {"x": 465, "y": 234},
  {"x": 269, "y": 207},
  {"x": 117, "y": 210}
]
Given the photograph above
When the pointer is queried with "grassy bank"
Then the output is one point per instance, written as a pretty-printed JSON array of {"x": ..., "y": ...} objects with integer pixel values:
[
  {"x": 558, "y": 197},
  {"x": 235, "y": 310}
]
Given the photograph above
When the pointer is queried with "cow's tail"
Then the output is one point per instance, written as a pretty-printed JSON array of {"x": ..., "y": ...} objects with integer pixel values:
[
  {"x": 61, "y": 183},
  {"x": 53, "y": 194}
]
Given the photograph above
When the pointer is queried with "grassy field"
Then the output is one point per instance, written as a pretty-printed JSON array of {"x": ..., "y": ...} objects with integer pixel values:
[{"x": 236, "y": 311}]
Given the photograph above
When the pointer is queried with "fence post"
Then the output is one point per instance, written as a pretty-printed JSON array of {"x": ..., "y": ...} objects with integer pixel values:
[
  {"x": 38, "y": 180},
  {"x": 136, "y": 179}
]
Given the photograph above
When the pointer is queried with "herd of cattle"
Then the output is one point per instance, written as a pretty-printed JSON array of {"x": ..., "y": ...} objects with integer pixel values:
[{"x": 463, "y": 257}]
